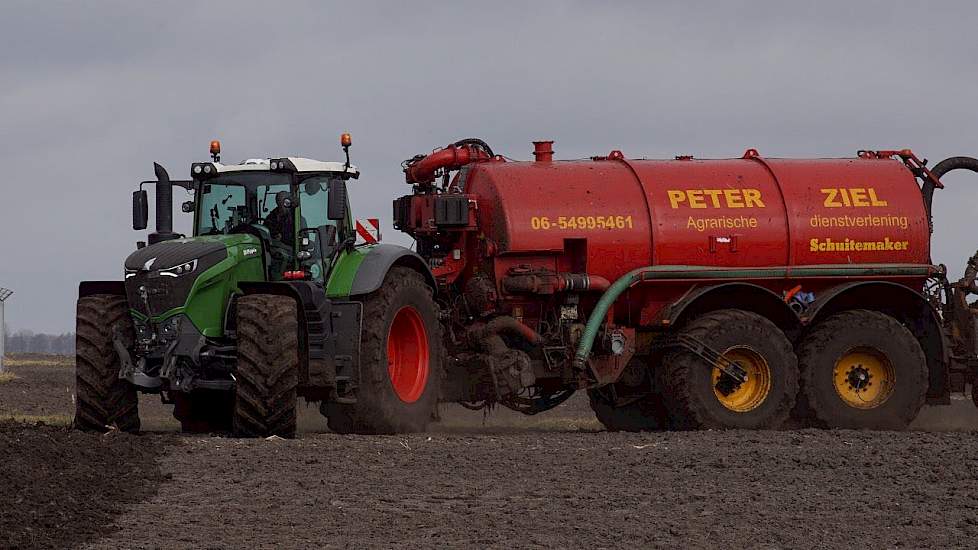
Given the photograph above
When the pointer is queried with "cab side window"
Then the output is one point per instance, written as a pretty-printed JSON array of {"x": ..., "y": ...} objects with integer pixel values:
[
  {"x": 313, "y": 197},
  {"x": 313, "y": 200}
]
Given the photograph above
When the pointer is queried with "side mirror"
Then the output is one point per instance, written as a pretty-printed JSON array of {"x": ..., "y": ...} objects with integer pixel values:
[
  {"x": 187, "y": 207},
  {"x": 336, "y": 208},
  {"x": 140, "y": 210}
]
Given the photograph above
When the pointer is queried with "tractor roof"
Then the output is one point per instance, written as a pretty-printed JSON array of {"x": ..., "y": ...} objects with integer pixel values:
[{"x": 301, "y": 164}]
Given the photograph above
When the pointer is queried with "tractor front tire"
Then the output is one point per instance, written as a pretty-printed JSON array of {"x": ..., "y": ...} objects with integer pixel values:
[
  {"x": 267, "y": 374},
  {"x": 862, "y": 369},
  {"x": 103, "y": 401},
  {"x": 695, "y": 392},
  {"x": 400, "y": 360}
]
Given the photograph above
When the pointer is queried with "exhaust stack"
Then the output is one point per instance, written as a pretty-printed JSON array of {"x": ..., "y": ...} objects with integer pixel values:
[{"x": 164, "y": 207}]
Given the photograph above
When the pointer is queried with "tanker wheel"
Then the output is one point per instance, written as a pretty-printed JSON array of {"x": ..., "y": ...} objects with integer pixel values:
[
  {"x": 103, "y": 401},
  {"x": 267, "y": 373},
  {"x": 699, "y": 395},
  {"x": 400, "y": 360},
  {"x": 862, "y": 370},
  {"x": 203, "y": 411},
  {"x": 631, "y": 404},
  {"x": 637, "y": 414}
]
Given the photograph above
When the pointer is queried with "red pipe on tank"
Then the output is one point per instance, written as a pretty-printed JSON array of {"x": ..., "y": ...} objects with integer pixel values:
[{"x": 451, "y": 158}]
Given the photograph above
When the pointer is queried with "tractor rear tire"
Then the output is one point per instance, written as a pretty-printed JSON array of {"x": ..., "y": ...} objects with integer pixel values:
[
  {"x": 400, "y": 361},
  {"x": 862, "y": 369},
  {"x": 267, "y": 374},
  {"x": 103, "y": 401},
  {"x": 690, "y": 385}
]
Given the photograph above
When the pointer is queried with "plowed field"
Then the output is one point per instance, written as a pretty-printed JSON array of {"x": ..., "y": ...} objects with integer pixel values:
[{"x": 502, "y": 481}]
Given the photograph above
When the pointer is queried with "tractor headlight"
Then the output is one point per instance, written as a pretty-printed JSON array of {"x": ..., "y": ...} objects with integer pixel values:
[
  {"x": 203, "y": 170},
  {"x": 179, "y": 270},
  {"x": 281, "y": 165}
]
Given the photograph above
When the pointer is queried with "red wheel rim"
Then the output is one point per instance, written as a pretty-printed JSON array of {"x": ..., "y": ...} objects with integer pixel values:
[{"x": 408, "y": 354}]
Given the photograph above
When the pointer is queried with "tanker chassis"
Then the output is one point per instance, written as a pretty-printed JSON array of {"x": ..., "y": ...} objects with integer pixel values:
[{"x": 692, "y": 293}]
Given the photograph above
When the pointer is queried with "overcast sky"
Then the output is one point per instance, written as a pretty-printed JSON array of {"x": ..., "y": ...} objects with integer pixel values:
[{"x": 91, "y": 93}]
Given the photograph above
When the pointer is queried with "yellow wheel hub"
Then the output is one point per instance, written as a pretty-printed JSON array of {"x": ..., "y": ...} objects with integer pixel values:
[
  {"x": 752, "y": 393},
  {"x": 863, "y": 378}
]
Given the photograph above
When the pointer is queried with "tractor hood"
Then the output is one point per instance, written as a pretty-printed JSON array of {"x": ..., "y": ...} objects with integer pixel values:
[
  {"x": 170, "y": 254},
  {"x": 195, "y": 276}
]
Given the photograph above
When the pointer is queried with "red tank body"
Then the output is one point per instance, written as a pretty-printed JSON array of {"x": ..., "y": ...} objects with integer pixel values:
[
  {"x": 563, "y": 275},
  {"x": 726, "y": 213}
]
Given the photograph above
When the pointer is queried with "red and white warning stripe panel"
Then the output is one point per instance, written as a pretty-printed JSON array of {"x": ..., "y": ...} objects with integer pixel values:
[{"x": 368, "y": 231}]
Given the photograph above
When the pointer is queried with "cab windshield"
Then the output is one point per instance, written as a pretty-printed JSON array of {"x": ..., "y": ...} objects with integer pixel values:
[{"x": 237, "y": 199}]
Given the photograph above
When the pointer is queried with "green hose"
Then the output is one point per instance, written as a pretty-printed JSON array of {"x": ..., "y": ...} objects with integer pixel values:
[
  {"x": 601, "y": 311},
  {"x": 690, "y": 272}
]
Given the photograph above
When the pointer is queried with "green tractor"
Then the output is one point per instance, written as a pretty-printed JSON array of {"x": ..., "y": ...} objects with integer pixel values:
[{"x": 269, "y": 300}]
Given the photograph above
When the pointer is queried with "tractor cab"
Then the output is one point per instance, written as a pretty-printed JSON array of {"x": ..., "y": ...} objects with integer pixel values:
[{"x": 296, "y": 207}]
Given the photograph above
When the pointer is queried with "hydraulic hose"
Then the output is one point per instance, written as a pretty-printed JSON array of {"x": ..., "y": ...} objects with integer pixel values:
[
  {"x": 941, "y": 168},
  {"x": 601, "y": 311},
  {"x": 475, "y": 141},
  {"x": 488, "y": 335},
  {"x": 421, "y": 169}
]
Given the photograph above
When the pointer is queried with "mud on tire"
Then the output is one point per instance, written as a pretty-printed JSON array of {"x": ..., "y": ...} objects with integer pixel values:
[
  {"x": 102, "y": 400},
  {"x": 688, "y": 385},
  {"x": 268, "y": 367},
  {"x": 379, "y": 409},
  {"x": 830, "y": 356}
]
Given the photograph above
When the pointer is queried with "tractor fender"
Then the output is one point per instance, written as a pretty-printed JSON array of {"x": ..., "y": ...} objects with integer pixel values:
[{"x": 379, "y": 260}]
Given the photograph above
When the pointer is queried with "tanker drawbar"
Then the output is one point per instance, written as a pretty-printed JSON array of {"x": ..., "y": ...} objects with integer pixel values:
[{"x": 693, "y": 293}]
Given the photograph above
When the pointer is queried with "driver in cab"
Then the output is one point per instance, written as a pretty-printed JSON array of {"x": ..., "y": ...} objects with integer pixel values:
[{"x": 281, "y": 220}]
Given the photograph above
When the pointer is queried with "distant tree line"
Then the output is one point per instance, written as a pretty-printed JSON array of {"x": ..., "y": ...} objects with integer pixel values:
[{"x": 26, "y": 341}]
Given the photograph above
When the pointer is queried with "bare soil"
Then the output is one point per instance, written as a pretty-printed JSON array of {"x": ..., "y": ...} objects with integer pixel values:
[
  {"x": 59, "y": 487},
  {"x": 502, "y": 481}
]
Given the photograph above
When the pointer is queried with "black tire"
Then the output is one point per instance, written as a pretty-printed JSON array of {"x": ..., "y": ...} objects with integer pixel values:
[
  {"x": 203, "y": 411},
  {"x": 687, "y": 383},
  {"x": 103, "y": 401},
  {"x": 631, "y": 404},
  {"x": 378, "y": 408},
  {"x": 267, "y": 373},
  {"x": 637, "y": 414},
  {"x": 879, "y": 335}
]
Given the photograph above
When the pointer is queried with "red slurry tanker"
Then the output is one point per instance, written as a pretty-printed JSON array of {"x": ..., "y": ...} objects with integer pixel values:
[{"x": 687, "y": 293}]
